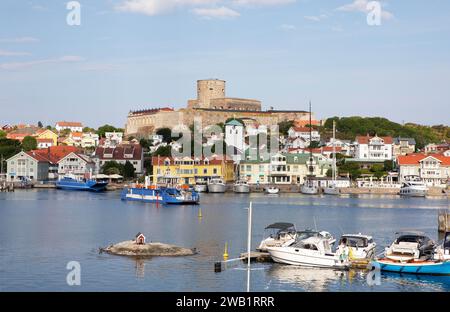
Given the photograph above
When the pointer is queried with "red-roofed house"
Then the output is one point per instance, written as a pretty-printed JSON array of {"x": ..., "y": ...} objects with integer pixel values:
[
  {"x": 73, "y": 126},
  {"x": 76, "y": 164},
  {"x": 303, "y": 132},
  {"x": 434, "y": 170},
  {"x": 121, "y": 154},
  {"x": 27, "y": 166},
  {"x": 44, "y": 143},
  {"x": 373, "y": 148}
]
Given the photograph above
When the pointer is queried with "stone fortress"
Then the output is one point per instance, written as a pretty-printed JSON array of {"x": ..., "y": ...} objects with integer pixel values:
[{"x": 213, "y": 107}]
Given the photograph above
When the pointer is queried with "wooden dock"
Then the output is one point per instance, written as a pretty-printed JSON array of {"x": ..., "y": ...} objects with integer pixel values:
[
  {"x": 257, "y": 256},
  {"x": 444, "y": 220}
]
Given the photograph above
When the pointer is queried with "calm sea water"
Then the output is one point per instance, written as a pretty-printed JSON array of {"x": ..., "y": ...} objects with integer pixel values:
[{"x": 41, "y": 231}]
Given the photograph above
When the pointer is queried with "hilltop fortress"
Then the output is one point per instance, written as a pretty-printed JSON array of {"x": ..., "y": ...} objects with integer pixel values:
[{"x": 213, "y": 107}]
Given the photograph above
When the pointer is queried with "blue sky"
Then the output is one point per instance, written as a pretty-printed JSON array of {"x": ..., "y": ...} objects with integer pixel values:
[{"x": 132, "y": 54}]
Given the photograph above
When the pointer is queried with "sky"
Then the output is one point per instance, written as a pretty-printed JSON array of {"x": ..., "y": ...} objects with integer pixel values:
[{"x": 134, "y": 54}]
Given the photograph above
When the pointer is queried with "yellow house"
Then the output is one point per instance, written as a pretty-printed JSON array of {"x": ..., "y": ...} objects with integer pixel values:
[
  {"x": 48, "y": 134},
  {"x": 187, "y": 170}
]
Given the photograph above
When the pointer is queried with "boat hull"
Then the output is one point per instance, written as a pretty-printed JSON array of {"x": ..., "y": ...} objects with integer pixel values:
[
  {"x": 331, "y": 191},
  {"x": 200, "y": 188},
  {"x": 412, "y": 192},
  {"x": 302, "y": 257},
  {"x": 216, "y": 188},
  {"x": 272, "y": 191},
  {"x": 242, "y": 188},
  {"x": 89, "y": 186},
  {"x": 309, "y": 190},
  {"x": 165, "y": 196},
  {"x": 425, "y": 267}
]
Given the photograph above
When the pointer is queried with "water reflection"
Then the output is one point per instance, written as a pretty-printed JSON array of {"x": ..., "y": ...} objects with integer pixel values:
[
  {"x": 308, "y": 279},
  {"x": 407, "y": 282}
]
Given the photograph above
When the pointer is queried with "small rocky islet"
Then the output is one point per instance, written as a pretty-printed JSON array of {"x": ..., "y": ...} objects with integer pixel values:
[{"x": 132, "y": 248}]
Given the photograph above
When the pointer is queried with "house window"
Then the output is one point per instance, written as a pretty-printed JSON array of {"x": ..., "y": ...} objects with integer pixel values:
[
  {"x": 205, "y": 171},
  {"x": 215, "y": 171}
]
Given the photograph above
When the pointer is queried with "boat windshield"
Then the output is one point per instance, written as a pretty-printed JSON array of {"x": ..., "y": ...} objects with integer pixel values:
[
  {"x": 447, "y": 240},
  {"x": 412, "y": 239},
  {"x": 353, "y": 241}
]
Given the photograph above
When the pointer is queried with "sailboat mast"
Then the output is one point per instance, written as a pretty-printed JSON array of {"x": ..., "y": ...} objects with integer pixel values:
[
  {"x": 311, "y": 170},
  {"x": 334, "y": 150}
]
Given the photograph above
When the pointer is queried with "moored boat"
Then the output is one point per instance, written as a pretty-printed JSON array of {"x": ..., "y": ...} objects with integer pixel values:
[
  {"x": 413, "y": 187},
  {"x": 430, "y": 267},
  {"x": 272, "y": 190},
  {"x": 311, "y": 252},
  {"x": 73, "y": 184},
  {"x": 410, "y": 245},
  {"x": 362, "y": 247},
  {"x": 216, "y": 185},
  {"x": 165, "y": 195},
  {"x": 278, "y": 234},
  {"x": 241, "y": 186}
]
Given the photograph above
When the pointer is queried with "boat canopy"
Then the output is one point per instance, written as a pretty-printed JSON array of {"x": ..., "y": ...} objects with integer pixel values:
[
  {"x": 280, "y": 226},
  {"x": 355, "y": 240},
  {"x": 314, "y": 243}
]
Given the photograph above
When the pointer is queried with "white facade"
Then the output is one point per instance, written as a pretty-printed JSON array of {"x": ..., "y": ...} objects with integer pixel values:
[
  {"x": 234, "y": 137},
  {"x": 346, "y": 146},
  {"x": 75, "y": 164},
  {"x": 73, "y": 126},
  {"x": 112, "y": 139},
  {"x": 44, "y": 143},
  {"x": 304, "y": 133},
  {"x": 431, "y": 170},
  {"x": 373, "y": 148},
  {"x": 23, "y": 166}
]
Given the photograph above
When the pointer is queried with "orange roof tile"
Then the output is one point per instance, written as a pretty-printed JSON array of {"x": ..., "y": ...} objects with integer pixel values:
[{"x": 365, "y": 139}]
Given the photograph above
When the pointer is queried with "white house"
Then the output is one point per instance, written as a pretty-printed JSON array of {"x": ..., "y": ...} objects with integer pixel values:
[
  {"x": 133, "y": 153},
  {"x": 73, "y": 126},
  {"x": 44, "y": 143},
  {"x": 433, "y": 170},
  {"x": 304, "y": 133},
  {"x": 296, "y": 143},
  {"x": 27, "y": 166},
  {"x": 234, "y": 137},
  {"x": 76, "y": 164},
  {"x": 112, "y": 139},
  {"x": 373, "y": 148},
  {"x": 344, "y": 145}
]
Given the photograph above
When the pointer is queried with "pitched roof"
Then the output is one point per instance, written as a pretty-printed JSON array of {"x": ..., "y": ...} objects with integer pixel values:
[
  {"x": 69, "y": 124},
  {"x": 120, "y": 152},
  {"x": 38, "y": 156},
  {"x": 302, "y": 129},
  {"x": 414, "y": 159},
  {"x": 212, "y": 160},
  {"x": 233, "y": 122},
  {"x": 56, "y": 153},
  {"x": 367, "y": 138},
  {"x": 411, "y": 141},
  {"x": 41, "y": 140}
]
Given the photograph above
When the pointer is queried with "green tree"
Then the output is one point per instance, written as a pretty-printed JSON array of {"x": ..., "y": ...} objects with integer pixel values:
[
  {"x": 314, "y": 144},
  {"x": 2, "y": 134},
  {"x": 88, "y": 130},
  {"x": 40, "y": 125},
  {"x": 107, "y": 128},
  {"x": 165, "y": 151},
  {"x": 388, "y": 165},
  {"x": 330, "y": 173},
  {"x": 29, "y": 143},
  {"x": 128, "y": 170},
  {"x": 8, "y": 148},
  {"x": 148, "y": 166},
  {"x": 112, "y": 167},
  {"x": 350, "y": 168},
  {"x": 65, "y": 132},
  {"x": 166, "y": 134},
  {"x": 145, "y": 143},
  {"x": 284, "y": 126},
  {"x": 49, "y": 128}
]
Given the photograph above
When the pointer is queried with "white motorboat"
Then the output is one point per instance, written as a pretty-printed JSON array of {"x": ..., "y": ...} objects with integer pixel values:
[
  {"x": 362, "y": 247},
  {"x": 311, "y": 252},
  {"x": 309, "y": 188},
  {"x": 411, "y": 245},
  {"x": 241, "y": 186},
  {"x": 331, "y": 189},
  {"x": 278, "y": 234},
  {"x": 413, "y": 187},
  {"x": 200, "y": 188},
  {"x": 216, "y": 185},
  {"x": 442, "y": 252},
  {"x": 311, "y": 233},
  {"x": 272, "y": 190}
]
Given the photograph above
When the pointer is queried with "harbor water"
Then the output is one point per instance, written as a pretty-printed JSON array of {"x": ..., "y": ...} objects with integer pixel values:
[{"x": 41, "y": 231}]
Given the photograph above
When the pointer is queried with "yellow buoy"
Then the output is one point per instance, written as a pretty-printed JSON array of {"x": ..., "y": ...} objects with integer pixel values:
[
  {"x": 225, "y": 253},
  {"x": 200, "y": 213}
]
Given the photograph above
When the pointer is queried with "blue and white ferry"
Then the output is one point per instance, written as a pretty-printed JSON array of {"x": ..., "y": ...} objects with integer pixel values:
[
  {"x": 73, "y": 184},
  {"x": 165, "y": 195}
]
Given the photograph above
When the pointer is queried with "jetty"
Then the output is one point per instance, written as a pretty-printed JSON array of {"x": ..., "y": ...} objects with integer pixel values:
[
  {"x": 444, "y": 220},
  {"x": 138, "y": 248}
]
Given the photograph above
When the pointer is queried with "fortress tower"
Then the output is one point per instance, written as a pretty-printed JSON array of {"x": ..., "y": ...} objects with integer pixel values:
[{"x": 209, "y": 89}]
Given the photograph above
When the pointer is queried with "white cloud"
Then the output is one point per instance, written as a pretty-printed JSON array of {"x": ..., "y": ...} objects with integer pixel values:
[
  {"x": 12, "y": 53},
  {"x": 157, "y": 7},
  {"x": 361, "y": 6},
  {"x": 23, "y": 65},
  {"x": 261, "y": 2},
  {"x": 19, "y": 40},
  {"x": 221, "y": 12},
  {"x": 209, "y": 8},
  {"x": 316, "y": 18},
  {"x": 287, "y": 27}
]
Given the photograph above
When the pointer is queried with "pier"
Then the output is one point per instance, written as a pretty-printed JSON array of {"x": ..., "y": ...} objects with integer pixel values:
[
  {"x": 6, "y": 186},
  {"x": 444, "y": 220}
]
